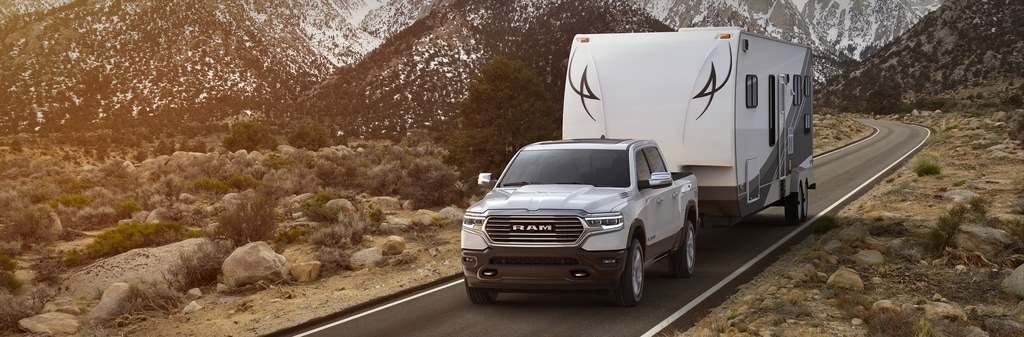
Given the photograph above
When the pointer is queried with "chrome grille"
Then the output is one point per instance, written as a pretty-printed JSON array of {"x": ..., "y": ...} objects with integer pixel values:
[{"x": 527, "y": 230}]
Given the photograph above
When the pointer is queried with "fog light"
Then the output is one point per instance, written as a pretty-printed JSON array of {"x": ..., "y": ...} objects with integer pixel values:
[
  {"x": 489, "y": 273},
  {"x": 469, "y": 261},
  {"x": 579, "y": 273},
  {"x": 609, "y": 260}
]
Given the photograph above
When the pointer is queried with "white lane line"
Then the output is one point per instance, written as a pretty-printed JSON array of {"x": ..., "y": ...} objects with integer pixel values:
[
  {"x": 847, "y": 146},
  {"x": 656, "y": 329},
  {"x": 689, "y": 306},
  {"x": 350, "y": 318}
]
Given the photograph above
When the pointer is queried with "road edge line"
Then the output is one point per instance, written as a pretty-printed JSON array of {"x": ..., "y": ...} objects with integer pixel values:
[
  {"x": 851, "y": 144},
  {"x": 736, "y": 273}
]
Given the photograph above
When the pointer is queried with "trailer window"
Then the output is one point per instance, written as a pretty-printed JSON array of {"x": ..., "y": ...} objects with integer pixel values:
[
  {"x": 808, "y": 84},
  {"x": 654, "y": 160},
  {"x": 797, "y": 85},
  {"x": 643, "y": 171},
  {"x": 751, "y": 91},
  {"x": 771, "y": 109}
]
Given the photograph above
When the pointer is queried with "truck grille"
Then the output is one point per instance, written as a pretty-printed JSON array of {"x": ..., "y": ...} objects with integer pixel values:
[
  {"x": 534, "y": 260},
  {"x": 539, "y": 230}
]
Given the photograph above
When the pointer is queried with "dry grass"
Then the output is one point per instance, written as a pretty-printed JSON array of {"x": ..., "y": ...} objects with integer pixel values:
[
  {"x": 7, "y": 280},
  {"x": 200, "y": 266},
  {"x": 948, "y": 225},
  {"x": 134, "y": 235},
  {"x": 150, "y": 298},
  {"x": 254, "y": 218},
  {"x": 927, "y": 166}
]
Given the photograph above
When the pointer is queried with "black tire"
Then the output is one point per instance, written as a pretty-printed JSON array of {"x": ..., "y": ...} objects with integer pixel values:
[
  {"x": 683, "y": 258},
  {"x": 628, "y": 293},
  {"x": 805, "y": 205},
  {"x": 481, "y": 296},
  {"x": 792, "y": 204}
]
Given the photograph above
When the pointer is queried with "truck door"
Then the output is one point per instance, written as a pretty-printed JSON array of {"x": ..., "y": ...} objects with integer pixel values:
[{"x": 662, "y": 220}]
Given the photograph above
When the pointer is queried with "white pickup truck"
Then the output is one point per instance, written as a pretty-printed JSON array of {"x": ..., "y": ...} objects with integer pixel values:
[{"x": 580, "y": 214}]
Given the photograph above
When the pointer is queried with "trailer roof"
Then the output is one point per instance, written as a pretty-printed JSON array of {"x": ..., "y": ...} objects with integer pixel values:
[{"x": 585, "y": 143}]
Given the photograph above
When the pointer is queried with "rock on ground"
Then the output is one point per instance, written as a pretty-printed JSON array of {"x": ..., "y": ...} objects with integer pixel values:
[
  {"x": 192, "y": 307},
  {"x": 62, "y": 304},
  {"x": 986, "y": 240},
  {"x": 159, "y": 215},
  {"x": 852, "y": 233},
  {"x": 1014, "y": 284},
  {"x": 868, "y": 258},
  {"x": 143, "y": 265},
  {"x": 113, "y": 303},
  {"x": 452, "y": 214},
  {"x": 396, "y": 224},
  {"x": 194, "y": 293},
  {"x": 386, "y": 204},
  {"x": 393, "y": 245},
  {"x": 308, "y": 271},
  {"x": 845, "y": 278},
  {"x": 942, "y": 310},
  {"x": 252, "y": 263},
  {"x": 51, "y": 323},
  {"x": 344, "y": 207},
  {"x": 369, "y": 257},
  {"x": 959, "y": 195}
]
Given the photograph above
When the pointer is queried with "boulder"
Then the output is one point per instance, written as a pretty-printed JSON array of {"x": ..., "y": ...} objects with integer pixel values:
[
  {"x": 232, "y": 200},
  {"x": 386, "y": 204},
  {"x": 252, "y": 263},
  {"x": 452, "y": 214},
  {"x": 393, "y": 245},
  {"x": 142, "y": 266},
  {"x": 369, "y": 257},
  {"x": 65, "y": 305},
  {"x": 973, "y": 331},
  {"x": 959, "y": 195},
  {"x": 297, "y": 200},
  {"x": 845, "y": 278},
  {"x": 852, "y": 233},
  {"x": 345, "y": 208},
  {"x": 308, "y": 271},
  {"x": 51, "y": 323},
  {"x": 874, "y": 243},
  {"x": 112, "y": 303},
  {"x": 396, "y": 224},
  {"x": 1004, "y": 327},
  {"x": 1014, "y": 284},
  {"x": 802, "y": 273},
  {"x": 426, "y": 217},
  {"x": 159, "y": 215},
  {"x": 832, "y": 246},
  {"x": 982, "y": 239},
  {"x": 194, "y": 293},
  {"x": 999, "y": 116},
  {"x": 909, "y": 249},
  {"x": 942, "y": 311},
  {"x": 191, "y": 307},
  {"x": 868, "y": 258}
]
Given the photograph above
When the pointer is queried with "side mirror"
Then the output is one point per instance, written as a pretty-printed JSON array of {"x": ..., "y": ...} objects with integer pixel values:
[
  {"x": 484, "y": 179},
  {"x": 659, "y": 179}
]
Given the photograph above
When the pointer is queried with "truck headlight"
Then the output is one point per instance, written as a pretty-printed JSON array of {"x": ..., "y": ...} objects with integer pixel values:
[
  {"x": 605, "y": 222},
  {"x": 473, "y": 221}
]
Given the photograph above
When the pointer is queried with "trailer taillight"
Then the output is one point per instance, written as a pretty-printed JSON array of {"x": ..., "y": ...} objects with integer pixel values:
[
  {"x": 724, "y": 36},
  {"x": 584, "y": 39}
]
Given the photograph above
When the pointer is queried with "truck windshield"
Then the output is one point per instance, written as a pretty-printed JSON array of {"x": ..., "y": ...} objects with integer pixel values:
[{"x": 599, "y": 168}]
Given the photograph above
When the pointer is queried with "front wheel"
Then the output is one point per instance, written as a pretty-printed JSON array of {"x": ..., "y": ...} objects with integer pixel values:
[
  {"x": 684, "y": 257},
  {"x": 481, "y": 296},
  {"x": 631, "y": 283}
]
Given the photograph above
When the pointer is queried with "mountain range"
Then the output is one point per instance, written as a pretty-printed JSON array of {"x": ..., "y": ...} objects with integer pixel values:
[{"x": 87, "y": 63}]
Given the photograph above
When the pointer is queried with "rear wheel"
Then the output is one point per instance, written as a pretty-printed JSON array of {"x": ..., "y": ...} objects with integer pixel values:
[
  {"x": 631, "y": 284},
  {"x": 804, "y": 202},
  {"x": 793, "y": 208},
  {"x": 481, "y": 296},
  {"x": 684, "y": 257}
]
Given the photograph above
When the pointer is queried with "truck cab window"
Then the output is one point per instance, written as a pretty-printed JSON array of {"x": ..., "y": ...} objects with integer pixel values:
[
  {"x": 654, "y": 160},
  {"x": 751, "y": 91},
  {"x": 643, "y": 171},
  {"x": 772, "y": 96}
]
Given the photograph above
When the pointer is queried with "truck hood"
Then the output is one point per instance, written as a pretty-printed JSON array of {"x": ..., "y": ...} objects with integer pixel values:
[{"x": 585, "y": 198}]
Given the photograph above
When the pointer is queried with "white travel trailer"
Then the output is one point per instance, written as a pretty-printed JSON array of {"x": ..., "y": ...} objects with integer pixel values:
[{"x": 732, "y": 107}]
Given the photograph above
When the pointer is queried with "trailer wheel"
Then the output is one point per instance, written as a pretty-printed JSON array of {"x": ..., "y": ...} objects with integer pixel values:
[
  {"x": 793, "y": 207},
  {"x": 805, "y": 205}
]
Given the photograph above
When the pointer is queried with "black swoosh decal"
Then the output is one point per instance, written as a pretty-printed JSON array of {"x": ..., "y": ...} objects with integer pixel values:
[
  {"x": 712, "y": 86},
  {"x": 583, "y": 90}
]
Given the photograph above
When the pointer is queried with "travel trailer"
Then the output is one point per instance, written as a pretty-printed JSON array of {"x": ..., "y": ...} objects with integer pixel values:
[{"x": 731, "y": 107}]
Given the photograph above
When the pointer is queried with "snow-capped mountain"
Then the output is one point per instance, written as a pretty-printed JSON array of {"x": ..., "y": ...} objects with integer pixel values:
[
  {"x": 418, "y": 77},
  {"x": 117, "y": 61},
  {"x": 969, "y": 50}
]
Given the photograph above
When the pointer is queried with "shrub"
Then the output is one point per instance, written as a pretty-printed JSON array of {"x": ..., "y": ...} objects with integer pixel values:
[
  {"x": 249, "y": 136},
  {"x": 30, "y": 223},
  {"x": 12, "y": 310},
  {"x": 334, "y": 259},
  {"x": 126, "y": 208},
  {"x": 927, "y": 167},
  {"x": 824, "y": 224},
  {"x": 211, "y": 185},
  {"x": 134, "y": 235},
  {"x": 241, "y": 182},
  {"x": 48, "y": 270},
  {"x": 200, "y": 266},
  {"x": 151, "y": 298},
  {"x": 310, "y": 136},
  {"x": 291, "y": 235},
  {"x": 948, "y": 224},
  {"x": 253, "y": 218},
  {"x": 7, "y": 279},
  {"x": 96, "y": 217},
  {"x": 316, "y": 209},
  {"x": 893, "y": 323},
  {"x": 70, "y": 200}
]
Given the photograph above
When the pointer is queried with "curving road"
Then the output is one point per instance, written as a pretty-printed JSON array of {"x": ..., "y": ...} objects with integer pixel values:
[{"x": 726, "y": 258}]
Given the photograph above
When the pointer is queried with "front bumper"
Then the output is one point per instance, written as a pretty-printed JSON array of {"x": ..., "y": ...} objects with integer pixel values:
[{"x": 542, "y": 268}]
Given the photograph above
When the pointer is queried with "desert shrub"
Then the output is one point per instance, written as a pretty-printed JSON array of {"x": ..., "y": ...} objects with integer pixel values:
[
  {"x": 249, "y": 136},
  {"x": 926, "y": 166},
  {"x": 240, "y": 182},
  {"x": 310, "y": 136},
  {"x": 893, "y": 323},
  {"x": 1016, "y": 228},
  {"x": 254, "y": 218},
  {"x": 7, "y": 279},
  {"x": 200, "y": 266},
  {"x": 143, "y": 298},
  {"x": 290, "y": 235},
  {"x": 12, "y": 310},
  {"x": 316, "y": 208},
  {"x": 436, "y": 185},
  {"x": 824, "y": 224},
  {"x": 334, "y": 259},
  {"x": 48, "y": 270},
  {"x": 96, "y": 217},
  {"x": 29, "y": 223},
  {"x": 949, "y": 224},
  {"x": 126, "y": 208},
  {"x": 211, "y": 185},
  {"x": 132, "y": 235},
  {"x": 74, "y": 200},
  {"x": 338, "y": 235}
]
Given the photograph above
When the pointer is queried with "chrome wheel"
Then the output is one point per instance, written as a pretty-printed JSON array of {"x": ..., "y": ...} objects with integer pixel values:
[
  {"x": 691, "y": 247},
  {"x": 638, "y": 273}
]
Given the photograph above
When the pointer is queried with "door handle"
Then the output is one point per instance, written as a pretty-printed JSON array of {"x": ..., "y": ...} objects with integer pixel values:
[{"x": 659, "y": 200}]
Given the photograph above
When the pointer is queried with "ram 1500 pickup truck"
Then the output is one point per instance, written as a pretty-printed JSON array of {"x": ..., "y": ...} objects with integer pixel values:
[{"x": 583, "y": 214}]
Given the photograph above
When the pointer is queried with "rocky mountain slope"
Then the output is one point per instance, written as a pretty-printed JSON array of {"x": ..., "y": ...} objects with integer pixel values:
[
  {"x": 9, "y": 8},
  {"x": 112, "y": 62},
  {"x": 967, "y": 50},
  {"x": 417, "y": 78}
]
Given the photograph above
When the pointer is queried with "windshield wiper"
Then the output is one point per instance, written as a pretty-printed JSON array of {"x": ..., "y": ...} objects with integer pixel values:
[{"x": 518, "y": 183}]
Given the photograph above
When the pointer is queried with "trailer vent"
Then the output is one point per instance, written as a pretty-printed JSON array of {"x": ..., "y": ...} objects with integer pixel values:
[{"x": 534, "y": 230}]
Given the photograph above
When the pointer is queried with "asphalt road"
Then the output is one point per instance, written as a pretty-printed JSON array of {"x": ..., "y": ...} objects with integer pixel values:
[{"x": 726, "y": 257}]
